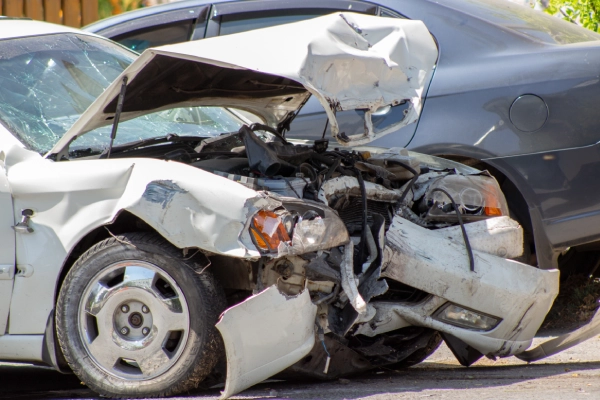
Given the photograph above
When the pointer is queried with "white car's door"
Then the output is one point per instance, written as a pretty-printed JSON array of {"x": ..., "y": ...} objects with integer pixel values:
[{"x": 7, "y": 246}]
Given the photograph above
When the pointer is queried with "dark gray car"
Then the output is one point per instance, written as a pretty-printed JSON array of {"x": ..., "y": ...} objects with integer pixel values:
[{"x": 514, "y": 92}]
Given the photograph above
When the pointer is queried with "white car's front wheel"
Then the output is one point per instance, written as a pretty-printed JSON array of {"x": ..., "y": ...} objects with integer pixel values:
[{"x": 133, "y": 320}]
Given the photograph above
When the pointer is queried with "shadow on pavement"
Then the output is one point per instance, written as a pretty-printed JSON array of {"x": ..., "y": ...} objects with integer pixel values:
[{"x": 30, "y": 382}]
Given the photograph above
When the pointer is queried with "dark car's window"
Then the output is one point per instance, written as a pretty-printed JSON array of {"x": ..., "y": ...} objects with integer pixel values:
[
  {"x": 237, "y": 23},
  {"x": 384, "y": 12},
  {"x": 142, "y": 39},
  {"x": 46, "y": 82}
]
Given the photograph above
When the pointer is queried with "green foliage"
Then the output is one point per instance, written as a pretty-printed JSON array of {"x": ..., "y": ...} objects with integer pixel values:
[
  {"x": 104, "y": 9},
  {"x": 582, "y": 12}
]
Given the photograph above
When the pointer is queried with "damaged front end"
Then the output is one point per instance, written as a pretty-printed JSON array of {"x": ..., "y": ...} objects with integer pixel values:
[{"x": 392, "y": 253}]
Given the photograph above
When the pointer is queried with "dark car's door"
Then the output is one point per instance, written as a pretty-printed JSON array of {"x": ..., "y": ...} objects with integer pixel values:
[{"x": 236, "y": 17}]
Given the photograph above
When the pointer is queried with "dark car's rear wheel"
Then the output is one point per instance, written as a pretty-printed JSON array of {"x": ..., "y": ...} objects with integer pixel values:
[{"x": 133, "y": 320}]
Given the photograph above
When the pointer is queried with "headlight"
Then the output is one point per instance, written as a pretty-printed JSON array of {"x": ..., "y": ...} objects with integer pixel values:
[
  {"x": 268, "y": 230},
  {"x": 476, "y": 196},
  {"x": 299, "y": 227},
  {"x": 456, "y": 315},
  {"x": 289, "y": 221}
]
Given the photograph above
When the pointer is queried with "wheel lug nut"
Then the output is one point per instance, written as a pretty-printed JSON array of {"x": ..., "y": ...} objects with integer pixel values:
[
  {"x": 124, "y": 330},
  {"x": 125, "y": 308},
  {"x": 145, "y": 331},
  {"x": 145, "y": 310}
]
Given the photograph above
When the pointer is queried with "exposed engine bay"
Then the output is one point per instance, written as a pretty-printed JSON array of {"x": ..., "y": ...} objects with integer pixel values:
[
  {"x": 369, "y": 190},
  {"x": 360, "y": 185}
]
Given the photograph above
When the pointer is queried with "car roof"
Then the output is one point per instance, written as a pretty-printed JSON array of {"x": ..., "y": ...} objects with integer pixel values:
[
  {"x": 107, "y": 23},
  {"x": 11, "y": 28},
  {"x": 494, "y": 17}
]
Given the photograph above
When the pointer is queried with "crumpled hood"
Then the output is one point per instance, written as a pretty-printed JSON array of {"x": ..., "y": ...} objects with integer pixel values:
[{"x": 346, "y": 60}]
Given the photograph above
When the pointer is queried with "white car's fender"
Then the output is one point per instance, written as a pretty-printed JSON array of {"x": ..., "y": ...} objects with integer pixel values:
[{"x": 187, "y": 206}]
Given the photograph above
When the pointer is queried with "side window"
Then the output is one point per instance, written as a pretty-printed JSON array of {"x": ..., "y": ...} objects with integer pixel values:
[
  {"x": 384, "y": 12},
  {"x": 140, "y": 40},
  {"x": 236, "y": 23}
]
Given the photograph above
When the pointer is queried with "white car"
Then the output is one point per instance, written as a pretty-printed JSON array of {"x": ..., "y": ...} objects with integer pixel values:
[{"x": 154, "y": 226}]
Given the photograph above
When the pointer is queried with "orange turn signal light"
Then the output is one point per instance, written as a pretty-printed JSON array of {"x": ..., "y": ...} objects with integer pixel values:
[
  {"x": 268, "y": 230},
  {"x": 492, "y": 207},
  {"x": 492, "y": 211}
]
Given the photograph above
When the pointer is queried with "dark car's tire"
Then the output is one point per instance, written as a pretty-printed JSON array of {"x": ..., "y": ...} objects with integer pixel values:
[{"x": 133, "y": 320}]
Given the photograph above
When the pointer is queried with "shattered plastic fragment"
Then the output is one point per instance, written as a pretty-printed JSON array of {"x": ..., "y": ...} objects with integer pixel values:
[{"x": 265, "y": 334}]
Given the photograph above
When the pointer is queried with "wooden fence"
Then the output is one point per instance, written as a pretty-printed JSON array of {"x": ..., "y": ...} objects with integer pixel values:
[{"x": 74, "y": 13}]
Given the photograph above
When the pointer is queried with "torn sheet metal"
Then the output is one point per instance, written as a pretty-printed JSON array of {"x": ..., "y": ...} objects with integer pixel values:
[
  {"x": 517, "y": 293},
  {"x": 264, "y": 335},
  {"x": 347, "y": 61},
  {"x": 499, "y": 236},
  {"x": 166, "y": 195}
]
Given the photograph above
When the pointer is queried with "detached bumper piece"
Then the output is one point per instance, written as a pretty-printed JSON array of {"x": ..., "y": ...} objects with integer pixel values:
[
  {"x": 264, "y": 335},
  {"x": 496, "y": 309},
  {"x": 563, "y": 342}
]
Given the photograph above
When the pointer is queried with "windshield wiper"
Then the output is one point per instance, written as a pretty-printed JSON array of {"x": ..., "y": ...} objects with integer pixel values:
[
  {"x": 170, "y": 138},
  {"x": 85, "y": 152}
]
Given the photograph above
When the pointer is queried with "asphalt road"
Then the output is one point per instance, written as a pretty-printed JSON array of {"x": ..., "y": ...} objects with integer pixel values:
[{"x": 569, "y": 375}]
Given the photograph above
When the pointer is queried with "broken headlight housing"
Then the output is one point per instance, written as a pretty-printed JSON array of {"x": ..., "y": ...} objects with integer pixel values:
[
  {"x": 454, "y": 314},
  {"x": 476, "y": 197},
  {"x": 301, "y": 226}
]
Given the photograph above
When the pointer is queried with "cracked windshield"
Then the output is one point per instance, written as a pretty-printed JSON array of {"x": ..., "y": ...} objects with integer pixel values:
[{"x": 49, "y": 81}]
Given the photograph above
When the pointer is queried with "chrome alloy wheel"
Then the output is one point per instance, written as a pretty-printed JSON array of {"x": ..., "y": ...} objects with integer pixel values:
[{"x": 133, "y": 320}]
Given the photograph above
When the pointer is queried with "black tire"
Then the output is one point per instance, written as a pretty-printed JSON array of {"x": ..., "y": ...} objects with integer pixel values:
[
  {"x": 421, "y": 354},
  {"x": 528, "y": 257},
  {"x": 185, "y": 356}
]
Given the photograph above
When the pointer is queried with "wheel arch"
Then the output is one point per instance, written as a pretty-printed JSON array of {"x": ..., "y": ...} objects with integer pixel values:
[{"x": 123, "y": 222}]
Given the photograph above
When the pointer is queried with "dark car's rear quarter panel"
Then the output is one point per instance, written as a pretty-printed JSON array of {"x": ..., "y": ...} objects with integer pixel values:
[
  {"x": 470, "y": 103},
  {"x": 566, "y": 187},
  {"x": 483, "y": 68}
]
